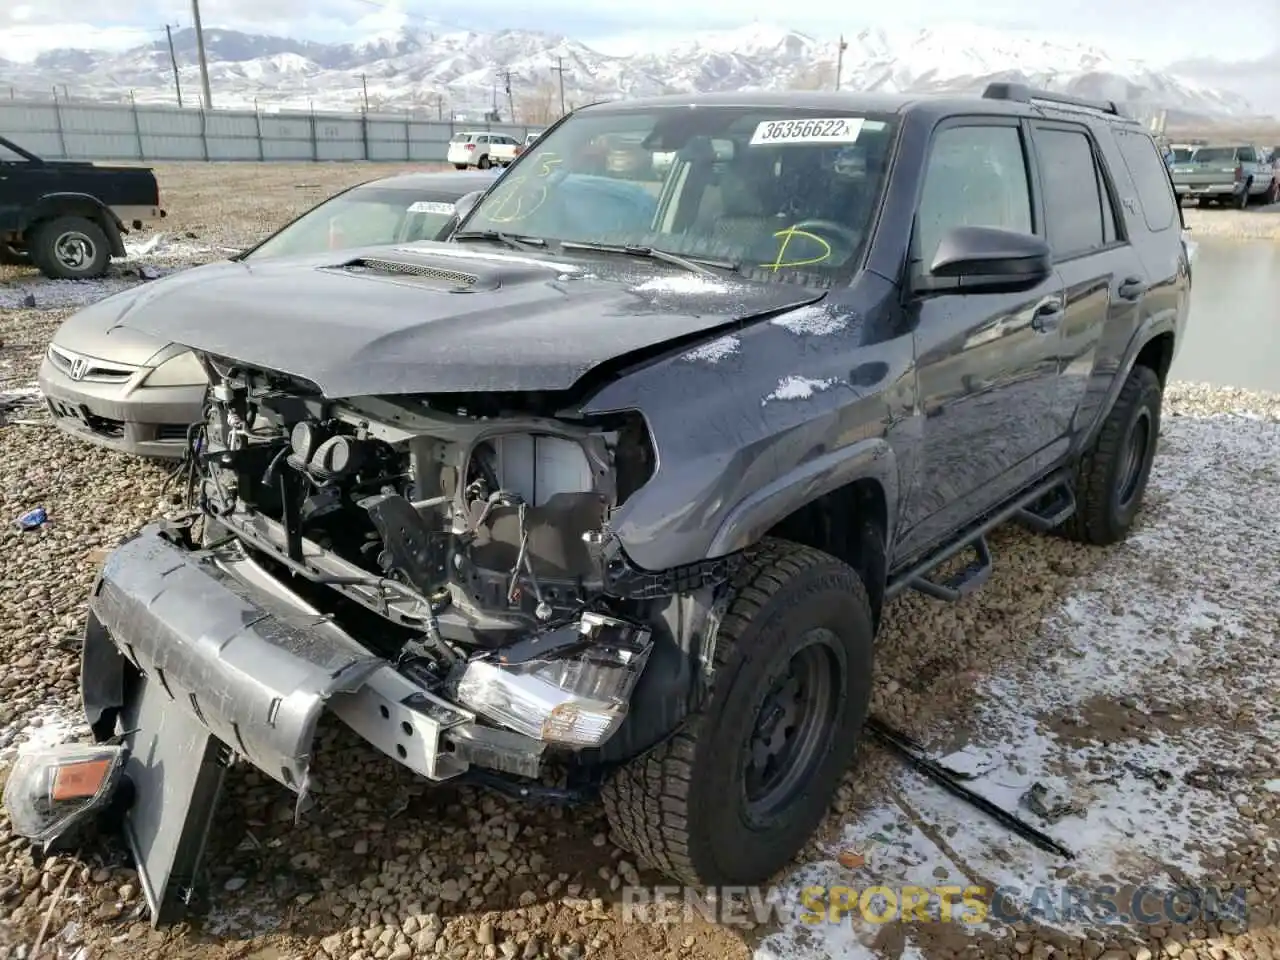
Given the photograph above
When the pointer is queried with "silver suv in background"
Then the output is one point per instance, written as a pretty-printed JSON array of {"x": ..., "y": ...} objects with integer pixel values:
[{"x": 482, "y": 150}]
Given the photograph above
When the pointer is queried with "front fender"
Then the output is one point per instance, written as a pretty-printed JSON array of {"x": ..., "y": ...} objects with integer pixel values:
[
  {"x": 82, "y": 204},
  {"x": 752, "y": 517}
]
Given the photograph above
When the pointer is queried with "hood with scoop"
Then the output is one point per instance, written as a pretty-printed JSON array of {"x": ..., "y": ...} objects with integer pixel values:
[{"x": 443, "y": 317}]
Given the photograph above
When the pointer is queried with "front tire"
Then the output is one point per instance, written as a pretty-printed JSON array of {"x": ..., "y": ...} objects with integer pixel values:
[
  {"x": 70, "y": 248},
  {"x": 734, "y": 795},
  {"x": 1112, "y": 475}
]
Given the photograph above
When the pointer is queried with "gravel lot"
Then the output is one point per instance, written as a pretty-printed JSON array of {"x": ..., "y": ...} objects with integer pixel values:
[
  {"x": 1256, "y": 223},
  {"x": 1138, "y": 684}
]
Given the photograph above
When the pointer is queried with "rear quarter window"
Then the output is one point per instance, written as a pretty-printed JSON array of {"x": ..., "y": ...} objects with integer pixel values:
[{"x": 1150, "y": 178}]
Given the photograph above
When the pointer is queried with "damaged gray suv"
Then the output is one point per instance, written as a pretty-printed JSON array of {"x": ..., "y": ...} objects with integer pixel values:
[{"x": 622, "y": 482}]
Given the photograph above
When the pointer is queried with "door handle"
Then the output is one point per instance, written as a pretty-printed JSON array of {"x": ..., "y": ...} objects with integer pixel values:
[
  {"x": 1131, "y": 288},
  {"x": 1047, "y": 316}
]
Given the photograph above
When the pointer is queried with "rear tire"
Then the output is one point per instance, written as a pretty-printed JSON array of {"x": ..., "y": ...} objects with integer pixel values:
[
  {"x": 485, "y": 163},
  {"x": 1112, "y": 475},
  {"x": 70, "y": 248},
  {"x": 734, "y": 795},
  {"x": 460, "y": 166}
]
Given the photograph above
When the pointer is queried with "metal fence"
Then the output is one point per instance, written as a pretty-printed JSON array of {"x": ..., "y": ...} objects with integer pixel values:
[{"x": 62, "y": 130}]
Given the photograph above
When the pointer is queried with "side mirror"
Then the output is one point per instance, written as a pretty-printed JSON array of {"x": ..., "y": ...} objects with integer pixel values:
[
  {"x": 986, "y": 260},
  {"x": 465, "y": 204}
]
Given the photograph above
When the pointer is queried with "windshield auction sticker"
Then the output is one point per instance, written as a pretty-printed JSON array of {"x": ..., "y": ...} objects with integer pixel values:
[
  {"x": 431, "y": 206},
  {"x": 834, "y": 130}
]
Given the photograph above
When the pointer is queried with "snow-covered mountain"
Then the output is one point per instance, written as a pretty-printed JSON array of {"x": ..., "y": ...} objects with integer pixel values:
[{"x": 443, "y": 71}]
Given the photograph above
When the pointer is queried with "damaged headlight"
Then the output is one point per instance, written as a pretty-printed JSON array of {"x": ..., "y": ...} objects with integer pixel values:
[
  {"x": 577, "y": 701},
  {"x": 50, "y": 789}
]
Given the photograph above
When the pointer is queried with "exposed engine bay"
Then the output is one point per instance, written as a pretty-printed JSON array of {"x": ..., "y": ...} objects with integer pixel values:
[{"x": 469, "y": 547}]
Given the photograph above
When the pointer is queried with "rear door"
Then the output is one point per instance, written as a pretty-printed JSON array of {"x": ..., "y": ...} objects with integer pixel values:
[{"x": 1102, "y": 275}]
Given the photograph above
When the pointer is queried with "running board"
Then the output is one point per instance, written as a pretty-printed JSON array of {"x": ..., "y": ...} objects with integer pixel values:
[
  {"x": 978, "y": 571},
  {"x": 1058, "y": 506}
]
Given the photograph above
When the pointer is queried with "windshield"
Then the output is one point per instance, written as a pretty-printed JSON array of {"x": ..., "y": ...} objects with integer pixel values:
[
  {"x": 1215, "y": 155},
  {"x": 364, "y": 216},
  {"x": 780, "y": 193}
]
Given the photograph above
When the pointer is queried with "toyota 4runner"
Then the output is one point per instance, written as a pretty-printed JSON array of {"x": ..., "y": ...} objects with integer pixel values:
[{"x": 624, "y": 485}]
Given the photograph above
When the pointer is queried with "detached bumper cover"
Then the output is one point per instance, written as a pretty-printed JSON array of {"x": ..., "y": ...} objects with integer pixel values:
[{"x": 256, "y": 673}]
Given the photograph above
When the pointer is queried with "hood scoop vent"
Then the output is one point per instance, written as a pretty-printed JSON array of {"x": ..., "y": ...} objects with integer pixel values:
[{"x": 439, "y": 277}]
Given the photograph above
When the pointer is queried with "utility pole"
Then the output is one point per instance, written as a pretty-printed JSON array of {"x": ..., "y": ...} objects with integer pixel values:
[
  {"x": 840, "y": 59},
  {"x": 204, "y": 62},
  {"x": 511, "y": 104},
  {"x": 364, "y": 85},
  {"x": 439, "y": 106},
  {"x": 559, "y": 68},
  {"x": 173, "y": 59}
]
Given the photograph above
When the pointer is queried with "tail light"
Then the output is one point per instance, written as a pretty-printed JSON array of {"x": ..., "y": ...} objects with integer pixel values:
[
  {"x": 471, "y": 146},
  {"x": 1239, "y": 173}
]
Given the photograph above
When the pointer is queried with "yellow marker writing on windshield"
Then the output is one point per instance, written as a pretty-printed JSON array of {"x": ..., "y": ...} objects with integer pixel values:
[
  {"x": 520, "y": 204},
  {"x": 786, "y": 236},
  {"x": 547, "y": 164}
]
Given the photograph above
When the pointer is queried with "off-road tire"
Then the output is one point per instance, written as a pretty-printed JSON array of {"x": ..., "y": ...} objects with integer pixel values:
[
  {"x": 1104, "y": 514},
  {"x": 44, "y": 254},
  {"x": 682, "y": 807}
]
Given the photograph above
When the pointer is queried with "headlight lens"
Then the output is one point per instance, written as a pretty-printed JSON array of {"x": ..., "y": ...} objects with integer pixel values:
[{"x": 182, "y": 370}]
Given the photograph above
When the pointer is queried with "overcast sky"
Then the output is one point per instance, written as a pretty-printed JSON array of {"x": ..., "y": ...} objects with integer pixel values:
[{"x": 1156, "y": 31}]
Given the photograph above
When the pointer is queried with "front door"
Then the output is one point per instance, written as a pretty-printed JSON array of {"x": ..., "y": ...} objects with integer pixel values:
[{"x": 987, "y": 364}]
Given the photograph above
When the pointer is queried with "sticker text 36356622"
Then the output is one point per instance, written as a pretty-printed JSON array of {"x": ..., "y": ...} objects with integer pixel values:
[{"x": 816, "y": 130}]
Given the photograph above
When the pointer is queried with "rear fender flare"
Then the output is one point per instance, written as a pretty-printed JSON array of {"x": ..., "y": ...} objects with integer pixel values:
[
  {"x": 1151, "y": 328},
  {"x": 53, "y": 205},
  {"x": 756, "y": 514}
]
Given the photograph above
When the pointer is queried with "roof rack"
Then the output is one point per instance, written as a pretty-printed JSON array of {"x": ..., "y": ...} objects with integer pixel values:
[{"x": 1022, "y": 93}]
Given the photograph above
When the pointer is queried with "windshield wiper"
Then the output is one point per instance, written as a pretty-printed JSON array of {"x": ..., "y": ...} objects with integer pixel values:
[
  {"x": 510, "y": 239},
  {"x": 692, "y": 264}
]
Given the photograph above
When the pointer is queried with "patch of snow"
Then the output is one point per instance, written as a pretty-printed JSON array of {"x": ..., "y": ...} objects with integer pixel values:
[
  {"x": 715, "y": 351},
  {"x": 46, "y": 726},
  {"x": 1147, "y": 635},
  {"x": 798, "y": 388},
  {"x": 813, "y": 320},
  {"x": 682, "y": 283},
  {"x": 456, "y": 251}
]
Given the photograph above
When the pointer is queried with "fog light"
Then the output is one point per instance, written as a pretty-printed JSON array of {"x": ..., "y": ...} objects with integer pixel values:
[
  {"x": 50, "y": 789},
  {"x": 578, "y": 700}
]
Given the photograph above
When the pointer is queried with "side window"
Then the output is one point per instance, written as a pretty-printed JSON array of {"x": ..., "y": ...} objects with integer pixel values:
[
  {"x": 976, "y": 177},
  {"x": 1150, "y": 179},
  {"x": 1072, "y": 199},
  {"x": 1246, "y": 155}
]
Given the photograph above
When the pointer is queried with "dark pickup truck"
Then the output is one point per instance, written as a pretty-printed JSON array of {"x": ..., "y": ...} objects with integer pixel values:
[
  {"x": 625, "y": 485},
  {"x": 68, "y": 217}
]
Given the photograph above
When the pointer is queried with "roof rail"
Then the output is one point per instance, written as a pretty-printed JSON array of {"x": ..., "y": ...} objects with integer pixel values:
[{"x": 1022, "y": 93}]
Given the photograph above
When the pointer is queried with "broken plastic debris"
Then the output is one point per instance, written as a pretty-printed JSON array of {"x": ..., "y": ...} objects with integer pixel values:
[
  {"x": 1049, "y": 806},
  {"x": 851, "y": 859},
  {"x": 32, "y": 519}
]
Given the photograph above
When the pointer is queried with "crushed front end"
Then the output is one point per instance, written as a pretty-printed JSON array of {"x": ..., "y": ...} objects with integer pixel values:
[{"x": 443, "y": 580}]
